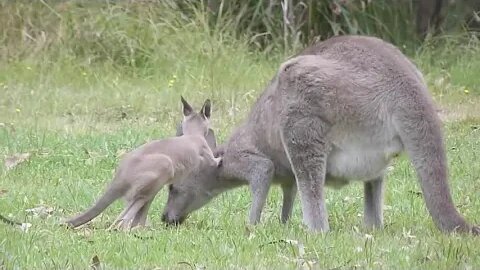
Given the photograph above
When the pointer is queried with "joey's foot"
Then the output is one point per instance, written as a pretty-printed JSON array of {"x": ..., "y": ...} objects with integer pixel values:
[
  {"x": 120, "y": 225},
  {"x": 126, "y": 225},
  {"x": 138, "y": 227}
]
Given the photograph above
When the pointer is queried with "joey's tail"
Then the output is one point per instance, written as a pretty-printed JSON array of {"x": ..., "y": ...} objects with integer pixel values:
[
  {"x": 420, "y": 132},
  {"x": 110, "y": 195}
]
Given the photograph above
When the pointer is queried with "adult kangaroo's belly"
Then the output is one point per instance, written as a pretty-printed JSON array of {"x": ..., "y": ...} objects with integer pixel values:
[{"x": 360, "y": 160}]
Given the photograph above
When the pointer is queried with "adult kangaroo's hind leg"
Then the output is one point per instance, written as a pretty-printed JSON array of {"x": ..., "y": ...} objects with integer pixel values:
[
  {"x": 306, "y": 146},
  {"x": 373, "y": 203}
]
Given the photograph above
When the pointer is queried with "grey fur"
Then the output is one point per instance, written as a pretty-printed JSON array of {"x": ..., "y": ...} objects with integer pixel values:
[
  {"x": 145, "y": 170},
  {"x": 338, "y": 112}
]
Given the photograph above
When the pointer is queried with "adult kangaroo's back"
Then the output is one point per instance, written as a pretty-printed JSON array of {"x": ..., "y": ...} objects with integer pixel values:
[{"x": 337, "y": 112}]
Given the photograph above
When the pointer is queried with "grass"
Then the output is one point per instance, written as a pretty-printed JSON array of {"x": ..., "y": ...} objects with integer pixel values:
[{"x": 75, "y": 116}]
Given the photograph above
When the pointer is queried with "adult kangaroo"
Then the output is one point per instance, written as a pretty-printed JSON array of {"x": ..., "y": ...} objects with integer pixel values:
[{"x": 338, "y": 112}]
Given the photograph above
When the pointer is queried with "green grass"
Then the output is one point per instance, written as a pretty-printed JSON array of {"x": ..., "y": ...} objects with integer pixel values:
[{"x": 76, "y": 116}]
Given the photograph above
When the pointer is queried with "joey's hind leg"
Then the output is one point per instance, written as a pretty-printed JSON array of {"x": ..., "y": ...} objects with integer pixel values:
[
  {"x": 373, "y": 203},
  {"x": 141, "y": 217},
  {"x": 289, "y": 193},
  {"x": 306, "y": 145},
  {"x": 128, "y": 205},
  {"x": 126, "y": 221}
]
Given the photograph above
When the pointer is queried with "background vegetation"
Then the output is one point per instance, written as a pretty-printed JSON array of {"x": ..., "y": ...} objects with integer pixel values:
[{"x": 83, "y": 81}]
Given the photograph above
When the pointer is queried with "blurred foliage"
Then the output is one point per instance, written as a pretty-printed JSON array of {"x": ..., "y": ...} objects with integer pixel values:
[{"x": 131, "y": 33}]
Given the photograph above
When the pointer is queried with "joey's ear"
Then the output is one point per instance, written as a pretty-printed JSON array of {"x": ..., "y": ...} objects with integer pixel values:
[
  {"x": 187, "y": 109},
  {"x": 206, "y": 109}
]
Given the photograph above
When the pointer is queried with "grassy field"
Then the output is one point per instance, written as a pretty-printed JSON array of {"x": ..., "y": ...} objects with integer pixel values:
[{"x": 75, "y": 116}]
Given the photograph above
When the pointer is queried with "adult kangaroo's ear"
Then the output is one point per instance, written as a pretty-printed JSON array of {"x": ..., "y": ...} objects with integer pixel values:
[
  {"x": 206, "y": 109},
  {"x": 187, "y": 109}
]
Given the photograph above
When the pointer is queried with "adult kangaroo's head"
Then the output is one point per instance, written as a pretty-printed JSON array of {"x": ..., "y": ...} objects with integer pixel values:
[
  {"x": 190, "y": 194},
  {"x": 195, "y": 191},
  {"x": 196, "y": 123}
]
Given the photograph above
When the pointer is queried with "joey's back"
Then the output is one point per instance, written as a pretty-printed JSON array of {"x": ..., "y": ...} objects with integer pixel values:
[
  {"x": 183, "y": 153},
  {"x": 186, "y": 153}
]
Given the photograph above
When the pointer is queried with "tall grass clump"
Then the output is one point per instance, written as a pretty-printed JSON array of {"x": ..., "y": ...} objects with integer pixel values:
[
  {"x": 80, "y": 48},
  {"x": 143, "y": 53},
  {"x": 293, "y": 23},
  {"x": 143, "y": 36},
  {"x": 137, "y": 36}
]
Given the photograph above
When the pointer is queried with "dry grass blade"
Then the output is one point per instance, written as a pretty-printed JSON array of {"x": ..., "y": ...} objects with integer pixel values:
[
  {"x": 41, "y": 211},
  {"x": 12, "y": 161},
  {"x": 25, "y": 226},
  {"x": 121, "y": 152},
  {"x": 187, "y": 263}
]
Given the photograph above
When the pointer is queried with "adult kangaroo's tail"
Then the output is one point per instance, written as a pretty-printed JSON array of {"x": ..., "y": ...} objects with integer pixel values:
[
  {"x": 420, "y": 131},
  {"x": 110, "y": 195}
]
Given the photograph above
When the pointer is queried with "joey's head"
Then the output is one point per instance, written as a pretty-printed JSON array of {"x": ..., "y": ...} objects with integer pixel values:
[{"x": 196, "y": 123}]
